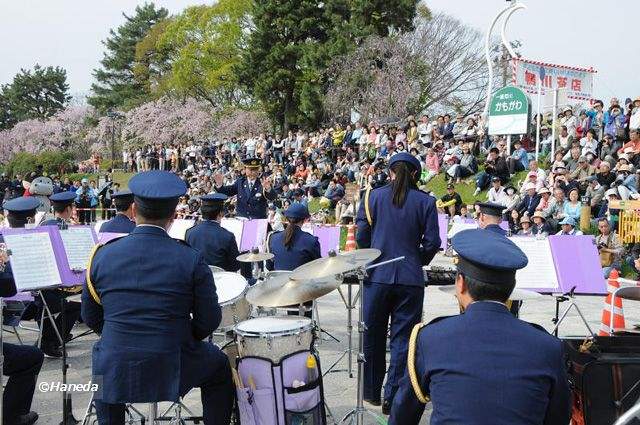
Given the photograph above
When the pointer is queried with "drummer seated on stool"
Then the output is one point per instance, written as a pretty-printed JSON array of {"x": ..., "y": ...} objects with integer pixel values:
[
  {"x": 153, "y": 299},
  {"x": 293, "y": 247},
  {"x": 22, "y": 363},
  {"x": 484, "y": 366}
]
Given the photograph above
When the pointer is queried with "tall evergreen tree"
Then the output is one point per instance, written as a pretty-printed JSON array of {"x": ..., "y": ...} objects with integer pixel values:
[
  {"x": 117, "y": 85},
  {"x": 294, "y": 41},
  {"x": 34, "y": 94}
]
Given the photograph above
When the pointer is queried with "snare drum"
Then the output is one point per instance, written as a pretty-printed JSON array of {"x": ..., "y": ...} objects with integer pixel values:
[
  {"x": 232, "y": 289},
  {"x": 274, "y": 337}
]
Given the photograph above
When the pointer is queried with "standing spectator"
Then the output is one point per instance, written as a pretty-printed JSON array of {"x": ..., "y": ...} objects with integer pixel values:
[
  {"x": 634, "y": 117},
  {"x": 86, "y": 201},
  {"x": 425, "y": 131},
  {"x": 570, "y": 121}
]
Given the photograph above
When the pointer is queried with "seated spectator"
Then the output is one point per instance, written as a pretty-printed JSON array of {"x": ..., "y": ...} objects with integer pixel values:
[
  {"x": 495, "y": 195},
  {"x": 511, "y": 198},
  {"x": 545, "y": 200},
  {"x": 519, "y": 159},
  {"x": 532, "y": 177},
  {"x": 525, "y": 227},
  {"x": 545, "y": 140},
  {"x": 530, "y": 201},
  {"x": 582, "y": 173},
  {"x": 573, "y": 206},
  {"x": 334, "y": 193},
  {"x": 432, "y": 166},
  {"x": 589, "y": 143},
  {"x": 568, "y": 227},
  {"x": 609, "y": 247},
  {"x": 495, "y": 166},
  {"x": 513, "y": 218},
  {"x": 467, "y": 166},
  {"x": 633, "y": 143},
  {"x": 540, "y": 226},
  {"x": 450, "y": 203}
]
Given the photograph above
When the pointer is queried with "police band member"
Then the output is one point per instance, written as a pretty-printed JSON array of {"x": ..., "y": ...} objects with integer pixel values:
[
  {"x": 399, "y": 220},
  {"x": 152, "y": 299},
  {"x": 253, "y": 194},
  {"x": 484, "y": 366},
  {"x": 217, "y": 245},
  {"x": 22, "y": 363},
  {"x": 293, "y": 247},
  {"x": 490, "y": 217},
  {"x": 122, "y": 222},
  {"x": 62, "y": 204}
]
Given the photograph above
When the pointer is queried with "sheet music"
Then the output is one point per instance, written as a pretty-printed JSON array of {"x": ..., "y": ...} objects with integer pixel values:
[
  {"x": 98, "y": 225},
  {"x": 179, "y": 228},
  {"x": 78, "y": 243},
  {"x": 33, "y": 261},
  {"x": 540, "y": 272},
  {"x": 235, "y": 226}
]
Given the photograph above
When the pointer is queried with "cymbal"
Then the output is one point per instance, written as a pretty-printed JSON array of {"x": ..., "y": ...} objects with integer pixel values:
[
  {"x": 281, "y": 290},
  {"x": 336, "y": 263},
  {"x": 254, "y": 257},
  {"x": 517, "y": 294}
]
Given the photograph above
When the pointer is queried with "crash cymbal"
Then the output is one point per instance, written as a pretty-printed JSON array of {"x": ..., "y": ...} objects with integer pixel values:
[
  {"x": 281, "y": 290},
  {"x": 254, "y": 256},
  {"x": 336, "y": 263},
  {"x": 516, "y": 295}
]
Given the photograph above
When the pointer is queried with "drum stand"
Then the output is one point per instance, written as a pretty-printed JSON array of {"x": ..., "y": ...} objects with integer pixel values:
[
  {"x": 350, "y": 303},
  {"x": 358, "y": 412},
  {"x": 569, "y": 296}
]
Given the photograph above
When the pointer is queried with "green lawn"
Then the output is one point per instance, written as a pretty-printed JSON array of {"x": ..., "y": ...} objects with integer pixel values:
[{"x": 438, "y": 185}]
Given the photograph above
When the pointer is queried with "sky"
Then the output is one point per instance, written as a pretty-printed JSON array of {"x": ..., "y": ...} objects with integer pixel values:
[{"x": 585, "y": 33}]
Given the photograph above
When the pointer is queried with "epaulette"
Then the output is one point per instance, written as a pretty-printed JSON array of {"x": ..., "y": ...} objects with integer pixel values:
[
  {"x": 411, "y": 364},
  {"x": 90, "y": 287}
]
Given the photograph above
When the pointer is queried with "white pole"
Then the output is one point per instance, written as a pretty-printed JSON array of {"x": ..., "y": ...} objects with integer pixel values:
[
  {"x": 553, "y": 125},
  {"x": 538, "y": 118},
  {"x": 487, "y": 55},
  {"x": 503, "y": 33}
]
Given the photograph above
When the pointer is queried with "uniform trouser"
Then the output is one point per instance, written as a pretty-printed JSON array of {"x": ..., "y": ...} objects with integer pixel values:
[
  {"x": 22, "y": 364},
  {"x": 403, "y": 304},
  {"x": 53, "y": 297},
  {"x": 210, "y": 371}
]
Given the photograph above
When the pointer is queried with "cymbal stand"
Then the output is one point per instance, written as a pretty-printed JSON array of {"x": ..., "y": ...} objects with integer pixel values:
[
  {"x": 67, "y": 409},
  {"x": 350, "y": 303},
  {"x": 358, "y": 412}
]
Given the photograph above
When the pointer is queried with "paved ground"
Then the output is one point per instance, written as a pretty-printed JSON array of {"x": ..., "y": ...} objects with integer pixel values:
[{"x": 340, "y": 390}]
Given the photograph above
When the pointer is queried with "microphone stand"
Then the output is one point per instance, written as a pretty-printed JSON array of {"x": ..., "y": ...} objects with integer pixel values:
[{"x": 67, "y": 409}]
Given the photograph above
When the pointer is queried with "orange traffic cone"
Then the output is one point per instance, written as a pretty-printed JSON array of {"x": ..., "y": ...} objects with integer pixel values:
[
  {"x": 618, "y": 314},
  {"x": 350, "y": 244}
]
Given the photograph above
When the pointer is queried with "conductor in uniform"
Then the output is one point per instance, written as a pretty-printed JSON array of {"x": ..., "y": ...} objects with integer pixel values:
[
  {"x": 122, "y": 222},
  {"x": 62, "y": 204},
  {"x": 22, "y": 363},
  {"x": 252, "y": 194},
  {"x": 399, "y": 220},
  {"x": 484, "y": 366},
  {"x": 153, "y": 300},
  {"x": 217, "y": 245}
]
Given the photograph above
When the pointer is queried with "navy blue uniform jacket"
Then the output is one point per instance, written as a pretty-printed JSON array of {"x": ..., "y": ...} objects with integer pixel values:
[
  {"x": 305, "y": 248},
  {"x": 486, "y": 367},
  {"x": 118, "y": 224},
  {"x": 158, "y": 301},
  {"x": 249, "y": 203},
  {"x": 411, "y": 231},
  {"x": 216, "y": 244}
]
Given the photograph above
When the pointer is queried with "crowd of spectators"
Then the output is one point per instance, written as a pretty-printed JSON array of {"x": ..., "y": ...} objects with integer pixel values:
[{"x": 596, "y": 159}]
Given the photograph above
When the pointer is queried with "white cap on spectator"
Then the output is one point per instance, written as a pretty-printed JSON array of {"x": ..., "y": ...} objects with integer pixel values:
[
  {"x": 611, "y": 192},
  {"x": 605, "y": 164},
  {"x": 528, "y": 186}
]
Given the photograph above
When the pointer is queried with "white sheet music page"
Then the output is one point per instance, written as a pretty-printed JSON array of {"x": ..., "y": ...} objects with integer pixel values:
[
  {"x": 540, "y": 272},
  {"x": 235, "y": 226},
  {"x": 179, "y": 228},
  {"x": 33, "y": 261},
  {"x": 78, "y": 243}
]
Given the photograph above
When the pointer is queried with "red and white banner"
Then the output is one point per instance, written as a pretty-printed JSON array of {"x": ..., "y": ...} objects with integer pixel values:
[{"x": 578, "y": 82}]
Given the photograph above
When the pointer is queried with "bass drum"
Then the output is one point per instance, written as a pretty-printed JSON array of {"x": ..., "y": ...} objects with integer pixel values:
[
  {"x": 274, "y": 337},
  {"x": 232, "y": 290}
]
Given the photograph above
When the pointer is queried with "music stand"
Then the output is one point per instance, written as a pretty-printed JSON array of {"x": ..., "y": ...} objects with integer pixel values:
[{"x": 568, "y": 296}]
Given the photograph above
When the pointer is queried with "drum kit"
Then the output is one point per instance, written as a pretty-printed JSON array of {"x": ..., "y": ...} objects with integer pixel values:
[{"x": 254, "y": 333}]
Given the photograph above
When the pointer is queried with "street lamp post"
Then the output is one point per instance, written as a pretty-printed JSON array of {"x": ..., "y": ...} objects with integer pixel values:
[{"x": 114, "y": 115}]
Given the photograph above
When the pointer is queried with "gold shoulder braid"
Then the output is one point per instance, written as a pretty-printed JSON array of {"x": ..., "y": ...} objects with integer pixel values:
[
  {"x": 92, "y": 290},
  {"x": 267, "y": 241},
  {"x": 411, "y": 365},
  {"x": 366, "y": 206}
]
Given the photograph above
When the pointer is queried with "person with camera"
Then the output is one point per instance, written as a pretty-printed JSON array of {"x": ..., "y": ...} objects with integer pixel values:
[
  {"x": 609, "y": 247},
  {"x": 86, "y": 200}
]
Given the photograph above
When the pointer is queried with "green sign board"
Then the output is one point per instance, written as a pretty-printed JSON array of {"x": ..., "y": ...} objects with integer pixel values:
[{"x": 509, "y": 112}]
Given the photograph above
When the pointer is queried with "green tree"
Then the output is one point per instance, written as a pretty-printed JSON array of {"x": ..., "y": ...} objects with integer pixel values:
[
  {"x": 117, "y": 85},
  {"x": 153, "y": 60},
  {"x": 205, "y": 46},
  {"x": 295, "y": 41},
  {"x": 34, "y": 94}
]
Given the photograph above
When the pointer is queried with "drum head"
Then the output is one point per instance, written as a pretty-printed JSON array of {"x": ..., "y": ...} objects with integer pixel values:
[
  {"x": 273, "y": 325},
  {"x": 229, "y": 286}
]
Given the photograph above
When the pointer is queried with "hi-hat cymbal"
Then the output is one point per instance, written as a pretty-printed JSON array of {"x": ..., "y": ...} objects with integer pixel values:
[
  {"x": 336, "y": 264},
  {"x": 281, "y": 290},
  {"x": 254, "y": 257},
  {"x": 517, "y": 294}
]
